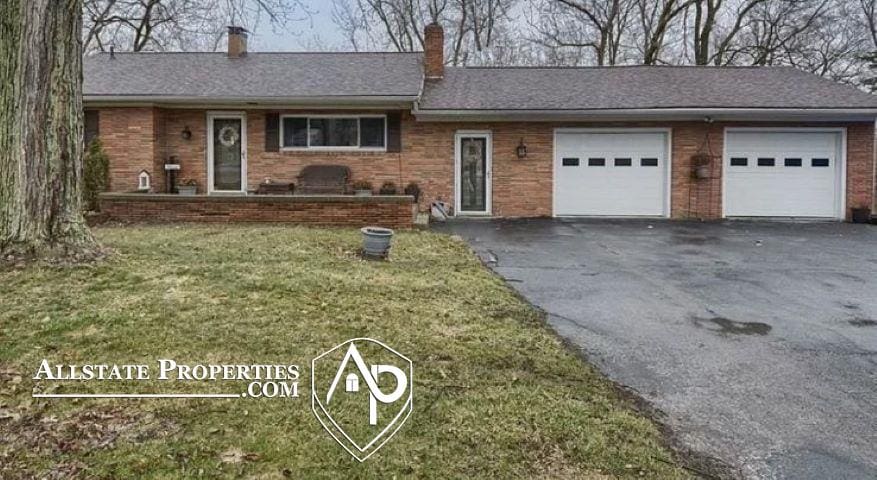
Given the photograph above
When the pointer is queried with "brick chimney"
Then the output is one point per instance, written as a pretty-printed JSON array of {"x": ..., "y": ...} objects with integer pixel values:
[
  {"x": 237, "y": 42},
  {"x": 434, "y": 51}
]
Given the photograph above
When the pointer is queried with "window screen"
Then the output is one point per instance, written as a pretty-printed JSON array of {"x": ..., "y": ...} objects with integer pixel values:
[
  {"x": 333, "y": 132},
  {"x": 372, "y": 132},
  {"x": 344, "y": 132},
  {"x": 295, "y": 132}
]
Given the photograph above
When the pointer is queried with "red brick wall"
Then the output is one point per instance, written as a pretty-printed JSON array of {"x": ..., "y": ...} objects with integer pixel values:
[
  {"x": 284, "y": 166},
  {"x": 524, "y": 187},
  {"x": 395, "y": 212},
  {"x": 860, "y": 166},
  {"x": 138, "y": 138},
  {"x": 144, "y": 138},
  {"x": 129, "y": 138}
]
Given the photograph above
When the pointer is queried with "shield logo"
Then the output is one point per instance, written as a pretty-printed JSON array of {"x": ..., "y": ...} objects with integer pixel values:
[{"x": 361, "y": 392}]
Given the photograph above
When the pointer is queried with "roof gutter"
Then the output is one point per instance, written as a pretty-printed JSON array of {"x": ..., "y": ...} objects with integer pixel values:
[
  {"x": 336, "y": 101},
  {"x": 678, "y": 114}
]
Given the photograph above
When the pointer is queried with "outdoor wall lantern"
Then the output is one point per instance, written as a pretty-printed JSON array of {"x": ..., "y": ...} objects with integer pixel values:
[
  {"x": 522, "y": 150},
  {"x": 186, "y": 134}
]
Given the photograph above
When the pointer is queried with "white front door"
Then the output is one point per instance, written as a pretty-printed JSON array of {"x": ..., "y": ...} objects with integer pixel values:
[
  {"x": 784, "y": 173},
  {"x": 611, "y": 172},
  {"x": 472, "y": 173},
  {"x": 226, "y": 153}
]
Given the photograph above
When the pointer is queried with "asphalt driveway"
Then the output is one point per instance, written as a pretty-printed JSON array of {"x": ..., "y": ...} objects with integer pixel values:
[{"x": 758, "y": 341}]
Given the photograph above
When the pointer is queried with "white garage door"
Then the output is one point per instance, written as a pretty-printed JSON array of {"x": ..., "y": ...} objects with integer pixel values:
[
  {"x": 621, "y": 173},
  {"x": 782, "y": 174}
]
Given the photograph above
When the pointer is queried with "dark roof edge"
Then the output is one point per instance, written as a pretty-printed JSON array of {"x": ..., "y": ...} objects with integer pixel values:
[
  {"x": 222, "y": 53},
  {"x": 688, "y": 113},
  {"x": 188, "y": 100},
  {"x": 619, "y": 67}
]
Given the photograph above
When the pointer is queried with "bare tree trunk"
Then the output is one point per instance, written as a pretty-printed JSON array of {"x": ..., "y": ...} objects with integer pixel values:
[{"x": 42, "y": 131}]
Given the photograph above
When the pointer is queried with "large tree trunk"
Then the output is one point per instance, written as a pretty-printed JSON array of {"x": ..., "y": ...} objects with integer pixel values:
[{"x": 41, "y": 130}]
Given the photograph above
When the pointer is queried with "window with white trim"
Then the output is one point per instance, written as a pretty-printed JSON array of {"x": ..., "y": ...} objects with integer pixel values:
[{"x": 366, "y": 132}]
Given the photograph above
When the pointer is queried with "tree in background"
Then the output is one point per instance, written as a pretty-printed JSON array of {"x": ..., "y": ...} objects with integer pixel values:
[
  {"x": 870, "y": 79},
  {"x": 477, "y": 31},
  {"x": 42, "y": 131},
  {"x": 827, "y": 37},
  {"x": 591, "y": 29},
  {"x": 175, "y": 25}
]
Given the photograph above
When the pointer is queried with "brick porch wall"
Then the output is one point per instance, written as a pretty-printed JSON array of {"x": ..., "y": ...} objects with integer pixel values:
[
  {"x": 337, "y": 211},
  {"x": 142, "y": 138}
]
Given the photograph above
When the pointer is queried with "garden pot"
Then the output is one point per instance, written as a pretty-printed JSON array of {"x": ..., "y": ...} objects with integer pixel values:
[
  {"x": 376, "y": 241},
  {"x": 188, "y": 190},
  {"x": 861, "y": 215},
  {"x": 362, "y": 193}
]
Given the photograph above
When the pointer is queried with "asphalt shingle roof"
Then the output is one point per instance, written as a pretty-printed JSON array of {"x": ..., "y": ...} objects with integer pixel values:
[
  {"x": 257, "y": 75},
  {"x": 641, "y": 87}
]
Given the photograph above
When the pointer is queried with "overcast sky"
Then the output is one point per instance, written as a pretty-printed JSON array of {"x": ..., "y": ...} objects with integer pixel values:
[{"x": 302, "y": 35}]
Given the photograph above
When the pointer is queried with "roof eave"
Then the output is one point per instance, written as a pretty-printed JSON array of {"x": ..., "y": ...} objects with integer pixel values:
[
  {"x": 677, "y": 114},
  {"x": 334, "y": 101}
]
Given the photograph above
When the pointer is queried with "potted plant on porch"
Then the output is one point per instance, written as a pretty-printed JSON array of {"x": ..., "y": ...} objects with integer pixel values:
[
  {"x": 362, "y": 188},
  {"x": 388, "y": 188},
  {"x": 188, "y": 186}
]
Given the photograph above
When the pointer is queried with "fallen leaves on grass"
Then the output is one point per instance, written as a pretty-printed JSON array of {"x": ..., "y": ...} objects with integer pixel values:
[
  {"x": 236, "y": 455},
  {"x": 32, "y": 433}
]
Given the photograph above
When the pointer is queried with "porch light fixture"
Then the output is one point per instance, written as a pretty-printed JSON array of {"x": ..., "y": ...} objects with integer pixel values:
[
  {"x": 522, "y": 150},
  {"x": 186, "y": 133}
]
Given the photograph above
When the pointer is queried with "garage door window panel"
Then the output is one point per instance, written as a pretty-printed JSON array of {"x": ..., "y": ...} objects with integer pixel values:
[
  {"x": 649, "y": 162},
  {"x": 766, "y": 162},
  {"x": 596, "y": 162},
  {"x": 793, "y": 162},
  {"x": 623, "y": 162},
  {"x": 739, "y": 162},
  {"x": 820, "y": 162}
]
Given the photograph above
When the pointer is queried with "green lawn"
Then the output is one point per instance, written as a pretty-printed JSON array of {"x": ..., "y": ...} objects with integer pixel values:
[{"x": 496, "y": 394}]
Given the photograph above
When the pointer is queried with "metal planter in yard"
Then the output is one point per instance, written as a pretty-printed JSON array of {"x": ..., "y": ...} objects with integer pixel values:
[{"x": 376, "y": 241}]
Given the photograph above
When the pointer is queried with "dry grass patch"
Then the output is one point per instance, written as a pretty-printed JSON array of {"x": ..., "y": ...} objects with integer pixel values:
[{"x": 495, "y": 392}]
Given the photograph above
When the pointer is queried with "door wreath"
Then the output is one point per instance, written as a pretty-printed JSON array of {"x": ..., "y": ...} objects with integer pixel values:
[{"x": 228, "y": 136}]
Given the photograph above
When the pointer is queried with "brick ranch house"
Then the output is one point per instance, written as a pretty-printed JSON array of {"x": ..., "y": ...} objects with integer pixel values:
[{"x": 678, "y": 142}]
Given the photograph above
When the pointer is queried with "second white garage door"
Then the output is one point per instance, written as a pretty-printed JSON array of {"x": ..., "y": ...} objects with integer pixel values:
[
  {"x": 790, "y": 173},
  {"x": 611, "y": 173}
]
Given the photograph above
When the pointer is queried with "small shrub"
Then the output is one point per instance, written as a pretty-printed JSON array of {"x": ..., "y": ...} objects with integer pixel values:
[
  {"x": 189, "y": 182},
  {"x": 414, "y": 190},
  {"x": 388, "y": 188},
  {"x": 362, "y": 185},
  {"x": 95, "y": 175}
]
